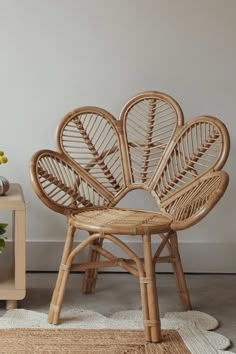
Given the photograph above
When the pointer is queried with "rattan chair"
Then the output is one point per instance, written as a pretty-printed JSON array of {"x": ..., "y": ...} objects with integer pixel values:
[{"x": 100, "y": 159}]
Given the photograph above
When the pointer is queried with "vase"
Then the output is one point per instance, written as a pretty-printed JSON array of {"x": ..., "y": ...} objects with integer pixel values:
[{"x": 4, "y": 185}]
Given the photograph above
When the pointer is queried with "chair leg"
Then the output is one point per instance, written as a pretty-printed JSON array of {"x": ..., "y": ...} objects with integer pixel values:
[
  {"x": 59, "y": 290},
  {"x": 149, "y": 295},
  {"x": 179, "y": 274},
  {"x": 90, "y": 276}
]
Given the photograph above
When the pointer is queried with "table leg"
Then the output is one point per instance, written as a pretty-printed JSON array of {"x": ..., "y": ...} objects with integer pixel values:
[
  {"x": 11, "y": 304},
  {"x": 19, "y": 240}
]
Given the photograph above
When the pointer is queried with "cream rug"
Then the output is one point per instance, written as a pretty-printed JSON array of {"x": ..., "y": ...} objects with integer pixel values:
[{"x": 183, "y": 332}]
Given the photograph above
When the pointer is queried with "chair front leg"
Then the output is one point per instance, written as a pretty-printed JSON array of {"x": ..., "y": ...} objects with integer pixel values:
[
  {"x": 90, "y": 276},
  {"x": 59, "y": 290},
  {"x": 149, "y": 295},
  {"x": 179, "y": 274}
]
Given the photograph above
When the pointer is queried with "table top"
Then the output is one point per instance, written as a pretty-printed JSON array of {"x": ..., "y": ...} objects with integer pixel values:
[{"x": 13, "y": 199}]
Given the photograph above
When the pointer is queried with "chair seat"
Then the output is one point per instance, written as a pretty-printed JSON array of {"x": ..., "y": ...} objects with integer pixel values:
[{"x": 121, "y": 221}]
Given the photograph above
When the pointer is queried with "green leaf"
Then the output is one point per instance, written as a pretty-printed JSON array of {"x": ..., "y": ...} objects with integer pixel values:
[
  {"x": 3, "y": 237},
  {"x": 3, "y": 225},
  {"x": 2, "y": 245},
  {"x": 3, "y": 228}
]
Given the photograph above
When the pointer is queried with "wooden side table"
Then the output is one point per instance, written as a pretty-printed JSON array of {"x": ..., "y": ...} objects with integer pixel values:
[{"x": 12, "y": 276}]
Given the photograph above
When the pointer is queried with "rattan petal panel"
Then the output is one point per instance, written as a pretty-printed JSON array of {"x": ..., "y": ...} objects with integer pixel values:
[
  {"x": 60, "y": 186},
  {"x": 150, "y": 120},
  {"x": 88, "y": 136},
  {"x": 192, "y": 203},
  {"x": 201, "y": 146}
]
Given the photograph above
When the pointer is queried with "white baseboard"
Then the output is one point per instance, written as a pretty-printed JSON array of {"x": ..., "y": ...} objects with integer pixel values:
[{"x": 196, "y": 257}]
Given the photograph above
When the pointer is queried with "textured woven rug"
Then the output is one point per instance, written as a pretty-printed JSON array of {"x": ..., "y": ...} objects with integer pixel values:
[{"x": 82, "y": 331}]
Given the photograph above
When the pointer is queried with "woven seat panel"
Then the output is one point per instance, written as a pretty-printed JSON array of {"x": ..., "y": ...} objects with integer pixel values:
[{"x": 121, "y": 221}]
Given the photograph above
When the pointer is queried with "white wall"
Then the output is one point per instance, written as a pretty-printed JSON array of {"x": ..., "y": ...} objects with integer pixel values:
[{"x": 60, "y": 54}]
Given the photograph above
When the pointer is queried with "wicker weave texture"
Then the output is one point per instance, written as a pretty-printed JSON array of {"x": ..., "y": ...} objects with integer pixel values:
[{"x": 121, "y": 221}]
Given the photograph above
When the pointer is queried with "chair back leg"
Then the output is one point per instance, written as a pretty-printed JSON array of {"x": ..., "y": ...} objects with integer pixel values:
[
  {"x": 90, "y": 276},
  {"x": 178, "y": 273}
]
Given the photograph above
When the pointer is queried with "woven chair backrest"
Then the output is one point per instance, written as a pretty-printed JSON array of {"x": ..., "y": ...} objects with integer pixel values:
[{"x": 148, "y": 147}]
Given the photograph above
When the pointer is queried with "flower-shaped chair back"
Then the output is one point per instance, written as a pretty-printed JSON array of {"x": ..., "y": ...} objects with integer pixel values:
[{"x": 100, "y": 158}]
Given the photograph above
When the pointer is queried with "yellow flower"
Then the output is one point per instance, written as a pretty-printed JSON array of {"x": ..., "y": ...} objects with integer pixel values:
[{"x": 3, "y": 158}]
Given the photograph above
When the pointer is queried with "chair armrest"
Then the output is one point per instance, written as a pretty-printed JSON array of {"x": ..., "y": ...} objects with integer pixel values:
[
  {"x": 59, "y": 183},
  {"x": 192, "y": 203}
]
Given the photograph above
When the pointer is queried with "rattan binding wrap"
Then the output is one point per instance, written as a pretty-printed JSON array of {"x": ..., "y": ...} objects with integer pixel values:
[{"x": 99, "y": 159}]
